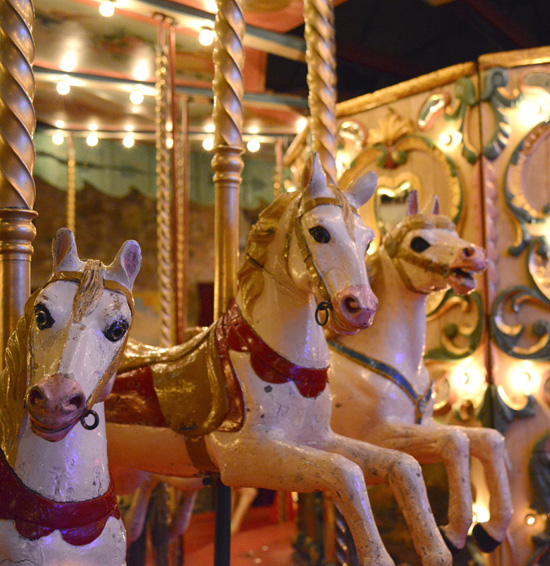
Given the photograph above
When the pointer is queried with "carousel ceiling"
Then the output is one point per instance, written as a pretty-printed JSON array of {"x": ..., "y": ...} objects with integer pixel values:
[{"x": 379, "y": 42}]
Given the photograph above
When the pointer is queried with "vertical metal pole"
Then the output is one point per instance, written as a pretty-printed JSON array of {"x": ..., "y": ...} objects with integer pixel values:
[
  {"x": 227, "y": 163},
  {"x": 321, "y": 80},
  {"x": 164, "y": 208},
  {"x": 71, "y": 185},
  {"x": 17, "y": 156}
]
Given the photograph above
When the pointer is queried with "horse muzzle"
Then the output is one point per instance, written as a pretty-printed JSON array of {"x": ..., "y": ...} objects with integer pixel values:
[
  {"x": 353, "y": 309},
  {"x": 55, "y": 405}
]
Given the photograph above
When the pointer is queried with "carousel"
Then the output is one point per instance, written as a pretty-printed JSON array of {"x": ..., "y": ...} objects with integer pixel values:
[{"x": 231, "y": 340}]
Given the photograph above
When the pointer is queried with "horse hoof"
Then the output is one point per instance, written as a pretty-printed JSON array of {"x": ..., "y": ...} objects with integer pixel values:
[
  {"x": 484, "y": 540},
  {"x": 452, "y": 548}
]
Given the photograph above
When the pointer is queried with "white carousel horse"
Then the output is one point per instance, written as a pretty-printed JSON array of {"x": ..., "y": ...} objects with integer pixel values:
[
  {"x": 272, "y": 427},
  {"x": 57, "y": 504},
  {"x": 382, "y": 392}
]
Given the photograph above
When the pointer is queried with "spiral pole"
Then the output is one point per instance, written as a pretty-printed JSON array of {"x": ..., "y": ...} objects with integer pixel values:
[
  {"x": 227, "y": 163},
  {"x": 164, "y": 202},
  {"x": 71, "y": 185},
  {"x": 321, "y": 80},
  {"x": 17, "y": 156}
]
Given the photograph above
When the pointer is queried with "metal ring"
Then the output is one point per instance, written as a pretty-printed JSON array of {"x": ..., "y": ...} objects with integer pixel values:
[
  {"x": 323, "y": 306},
  {"x": 85, "y": 424}
]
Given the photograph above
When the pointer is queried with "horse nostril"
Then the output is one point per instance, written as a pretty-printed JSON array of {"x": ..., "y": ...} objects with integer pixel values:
[
  {"x": 77, "y": 401},
  {"x": 351, "y": 305},
  {"x": 35, "y": 397},
  {"x": 468, "y": 252}
]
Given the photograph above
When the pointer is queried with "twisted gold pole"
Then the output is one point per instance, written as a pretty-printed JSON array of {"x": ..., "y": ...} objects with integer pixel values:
[
  {"x": 321, "y": 80},
  {"x": 164, "y": 216},
  {"x": 227, "y": 162},
  {"x": 17, "y": 155},
  {"x": 71, "y": 185}
]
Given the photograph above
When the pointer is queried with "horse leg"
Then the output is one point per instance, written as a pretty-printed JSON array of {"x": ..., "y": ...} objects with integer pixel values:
[
  {"x": 404, "y": 476},
  {"x": 268, "y": 462},
  {"x": 431, "y": 443},
  {"x": 487, "y": 445}
]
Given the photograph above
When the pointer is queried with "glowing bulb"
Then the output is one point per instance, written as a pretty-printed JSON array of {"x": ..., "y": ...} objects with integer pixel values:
[
  {"x": 68, "y": 63},
  {"x": 92, "y": 139},
  {"x": 254, "y": 130},
  {"x": 206, "y": 36},
  {"x": 59, "y": 124},
  {"x": 446, "y": 138},
  {"x": 136, "y": 96},
  {"x": 301, "y": 124},
  {"x": 58, "y": 138},
  {"x": 530, "y": 110},
  {"x": 92, "y": 127},
  {"x": 530, "y": 519},
  {"x": 210, "y": 128},
  {"x": 63, "y": 88},
  {"x": 106, "y": 8},
  {"x": 169, "y": 143},
  {"x": 128, "y": 140},
  {"x": 208, "y": 143},
  {"x": 129, "y": 128},
  {"x": 141, "y": 71},
  {"x": 169, "y": 126},
  {"x": 253, "y": 145}
]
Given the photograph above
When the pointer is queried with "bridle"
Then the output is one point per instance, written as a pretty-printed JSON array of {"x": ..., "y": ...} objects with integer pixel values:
[
  {"x": 392, "y": 244},
  {"x": 76, "y": 277}
]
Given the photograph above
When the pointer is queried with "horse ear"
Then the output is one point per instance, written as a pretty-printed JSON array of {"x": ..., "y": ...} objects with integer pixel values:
[
  {"x": 362, "y": 189},
  {"x": 65, "y": 255},
  {"x": 412, "y": 203},
  {"x": 436, "y": 207},
  {"x": 126, "y": 264},
  {"x": 313, "y": 176}
]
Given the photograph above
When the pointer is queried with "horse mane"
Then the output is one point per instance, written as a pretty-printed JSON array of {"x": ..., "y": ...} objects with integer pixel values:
[
  {"x": 249, "y": 276},
  {"x": 13, "y": 383}
]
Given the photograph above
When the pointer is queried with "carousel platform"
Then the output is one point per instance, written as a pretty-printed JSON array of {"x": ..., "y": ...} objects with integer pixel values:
[{"x": 260, "y": 541}]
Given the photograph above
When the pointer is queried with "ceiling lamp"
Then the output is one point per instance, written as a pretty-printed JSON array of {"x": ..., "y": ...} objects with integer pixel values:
[
  {"x": 253, "y": 145},
  {"x": 58, "y": 138},
  {"x": 92, "y": 139},
  {"x": 63, "y": 87},
  {"x": 206, "y": 36},
  {"x": 208, "y": 143},
  {"x": 106, "y": 8},
  {"x": 136, "y": 96},
  {"x": 128, "y": 140}
]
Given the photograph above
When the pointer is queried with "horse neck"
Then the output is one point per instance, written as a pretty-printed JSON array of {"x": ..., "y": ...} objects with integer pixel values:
[
  {"x": 283, "y": 316},
  {"x": 73, "y": 469},
  {"x": 398, "y": 333}
]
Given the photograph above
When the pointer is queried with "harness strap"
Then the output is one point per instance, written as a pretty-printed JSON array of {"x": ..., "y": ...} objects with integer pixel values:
[{"x": 420, "y": 402}]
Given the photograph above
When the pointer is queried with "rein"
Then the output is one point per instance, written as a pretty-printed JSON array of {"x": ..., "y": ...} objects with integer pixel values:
[{"x": 420, "y": 402}]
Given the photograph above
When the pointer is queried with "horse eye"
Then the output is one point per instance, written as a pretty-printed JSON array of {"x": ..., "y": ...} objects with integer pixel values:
[
  {"x": 43, "y": 317},
  {"x": 116, "y": 331},
  {"x": 419, "y": 244},
  {"x": 320, "y": 234}
]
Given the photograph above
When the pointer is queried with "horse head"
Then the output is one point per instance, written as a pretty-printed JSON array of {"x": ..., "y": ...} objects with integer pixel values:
[
  {"x": 325, "y": 249},
  {"x": 429, "y": 254},
  {"x": 77, "y": 326}
]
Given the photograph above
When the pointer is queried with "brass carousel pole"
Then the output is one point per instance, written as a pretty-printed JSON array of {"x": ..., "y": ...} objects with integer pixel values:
[
  {"x": 321, "y": 80},
  {"x": 164, "y": 203},
  {"x": 71, "y": 185},
  {"x": 227, "y": 164},
  {"x": 17, "y": 156}
]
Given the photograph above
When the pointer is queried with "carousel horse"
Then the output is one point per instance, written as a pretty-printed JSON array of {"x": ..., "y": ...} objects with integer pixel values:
[
  {"x": 57, "y": 505},
  {"x": 259, "y": 410},
  {"x": 382, "y": 391}
]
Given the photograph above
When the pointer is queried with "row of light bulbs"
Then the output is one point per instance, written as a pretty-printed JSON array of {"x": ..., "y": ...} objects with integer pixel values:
[{"x": 206, "y": 34}]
